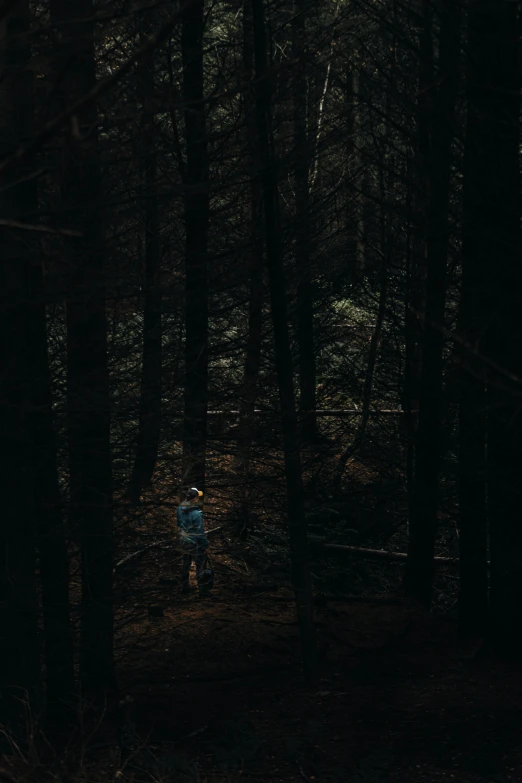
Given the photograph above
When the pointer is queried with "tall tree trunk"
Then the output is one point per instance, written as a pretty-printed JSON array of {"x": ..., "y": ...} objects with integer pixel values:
[
  {"x": 360, "y": 434},
  {"x": 20, "y": 677},
  {"x": 423, "y": 522},
  {"x": 52, "y": 544},
  {"x": 149, "y": 426},
  {"x": 362, "y": 168},
  {"x": 283, "y": 357},
  {"x": 256, "y": 296},
  {"x": 305, "y": 309},
  {"x": 493, "y": 138},
  {"x": 410, "y": 389},
  {"x": 355, "y": 224},
  {"x": 417, "y": 210},
  {"x": 377, "y": 332},
  {"x": 473, "y": 528},
  {"x": 197, "y": 214},
  {"x": 87, "y": 369}
]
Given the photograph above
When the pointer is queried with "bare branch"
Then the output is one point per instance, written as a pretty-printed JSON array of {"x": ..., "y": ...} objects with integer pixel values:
[
  {"x": 50, "y": 128},
  {"x": 66, "y": 232}
]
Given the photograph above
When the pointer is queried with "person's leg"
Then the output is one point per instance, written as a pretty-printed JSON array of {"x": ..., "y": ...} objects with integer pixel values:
[{"x": 185, "y": 571}]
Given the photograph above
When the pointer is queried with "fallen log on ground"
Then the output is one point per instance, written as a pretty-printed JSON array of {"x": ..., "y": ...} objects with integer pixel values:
[
  {"x": 320, "y": 413},
  {"x": 383, "y": 554},
  {"x": 378, "y": 554}
]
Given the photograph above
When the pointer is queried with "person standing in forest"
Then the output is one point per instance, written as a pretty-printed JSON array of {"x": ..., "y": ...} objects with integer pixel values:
[{"x": 193, "y": 541}]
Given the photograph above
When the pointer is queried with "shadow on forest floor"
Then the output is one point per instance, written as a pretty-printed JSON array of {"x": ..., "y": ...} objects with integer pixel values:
[
  {"x": 400, "y": 697},
  {"x": 217, "y": 695}
]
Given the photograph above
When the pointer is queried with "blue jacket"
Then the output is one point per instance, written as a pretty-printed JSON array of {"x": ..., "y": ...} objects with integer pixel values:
[{"x": 191, "y": 528}]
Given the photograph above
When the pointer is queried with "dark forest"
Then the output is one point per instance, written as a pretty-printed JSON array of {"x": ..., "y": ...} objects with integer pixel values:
[{"x": 261, "y": 391}]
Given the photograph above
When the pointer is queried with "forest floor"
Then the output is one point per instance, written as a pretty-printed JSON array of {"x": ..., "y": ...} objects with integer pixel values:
[{"x": 399, "y": 697}]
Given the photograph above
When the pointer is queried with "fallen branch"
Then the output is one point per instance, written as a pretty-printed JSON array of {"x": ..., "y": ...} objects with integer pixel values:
[
  {"x": 339, "y": 412},
  {"x": 166, "y": 543},
  {"x": 383, "y": 554},
  {"x": 65, "y": 232},
  {"x": 142, "y": 551},
  {"x": 390, "y": 600},
  {"x": 56, "y": 123}
]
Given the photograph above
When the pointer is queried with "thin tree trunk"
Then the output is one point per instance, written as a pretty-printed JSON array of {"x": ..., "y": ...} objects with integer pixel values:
[
  {"x": 305, "y": 307},
  {"x": 417, "y": 207},
  {"x": 20, "y": 676},
  {"x": 350, "y": 133},
  {"x": 257, "y": 287},
  {"x": 283, "y": 357},
  {"x": 314, "y": 149},
  {"x": 90, "y": 465},
  {"x": 197, "y": 214},
  {"x": 423, "y": 522},
  {"x": 357, "y": 176},
  {"x": 504, "y": 423},
  {"x": 358, "y": 173},
  {"x": 368, "y": 379},
  {"x": 149, "y": 426},
  {"x": 376, "y": 336},
  {"x": 473, "y": 527},
  {"x": 493, "y": 137},
  {"x": 385, "y": 247},
  {"x": 52, "y": 544},
  {"x": 411, "y": 364}
]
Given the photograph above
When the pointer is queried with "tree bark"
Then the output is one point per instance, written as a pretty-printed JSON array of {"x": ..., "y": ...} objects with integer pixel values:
[
  {"x": 52, "y": 543},
  {"x": 410, "y": 389},
  {"x": 20, "y": 675},
  {"x": 283, "y": 357},
  {"x": 356, "y": 201},
  {"x": 473, "y": 527},
  {"x": 494, "y": 138},
  {"x": 417, "y": 206},
  {"x": 369, "y": 376},
  {"x": 256, "y": 296},
  {"x": 423, "y": 522},
  {"x": 88, "y": 402},
  {"x": 305, "y": 308},
  {"x": 149, "y": 426},
  {"x": 197, "y": 215}
]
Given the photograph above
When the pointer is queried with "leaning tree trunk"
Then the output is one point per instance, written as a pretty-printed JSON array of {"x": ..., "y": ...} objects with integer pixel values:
[
  {"x": 87, "y": 369},
  {"x": 52, "y": 543},
  {"x": 493, "y": 134},
  {"x": 197, "y": 213},
  {"x": 283, "y": 356},
  {"x": 423, "y": 521},
  {"x": 20, "y": 676},
  {"x": 149, "y": 425},
  {"x": 305, "y": 308}
]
